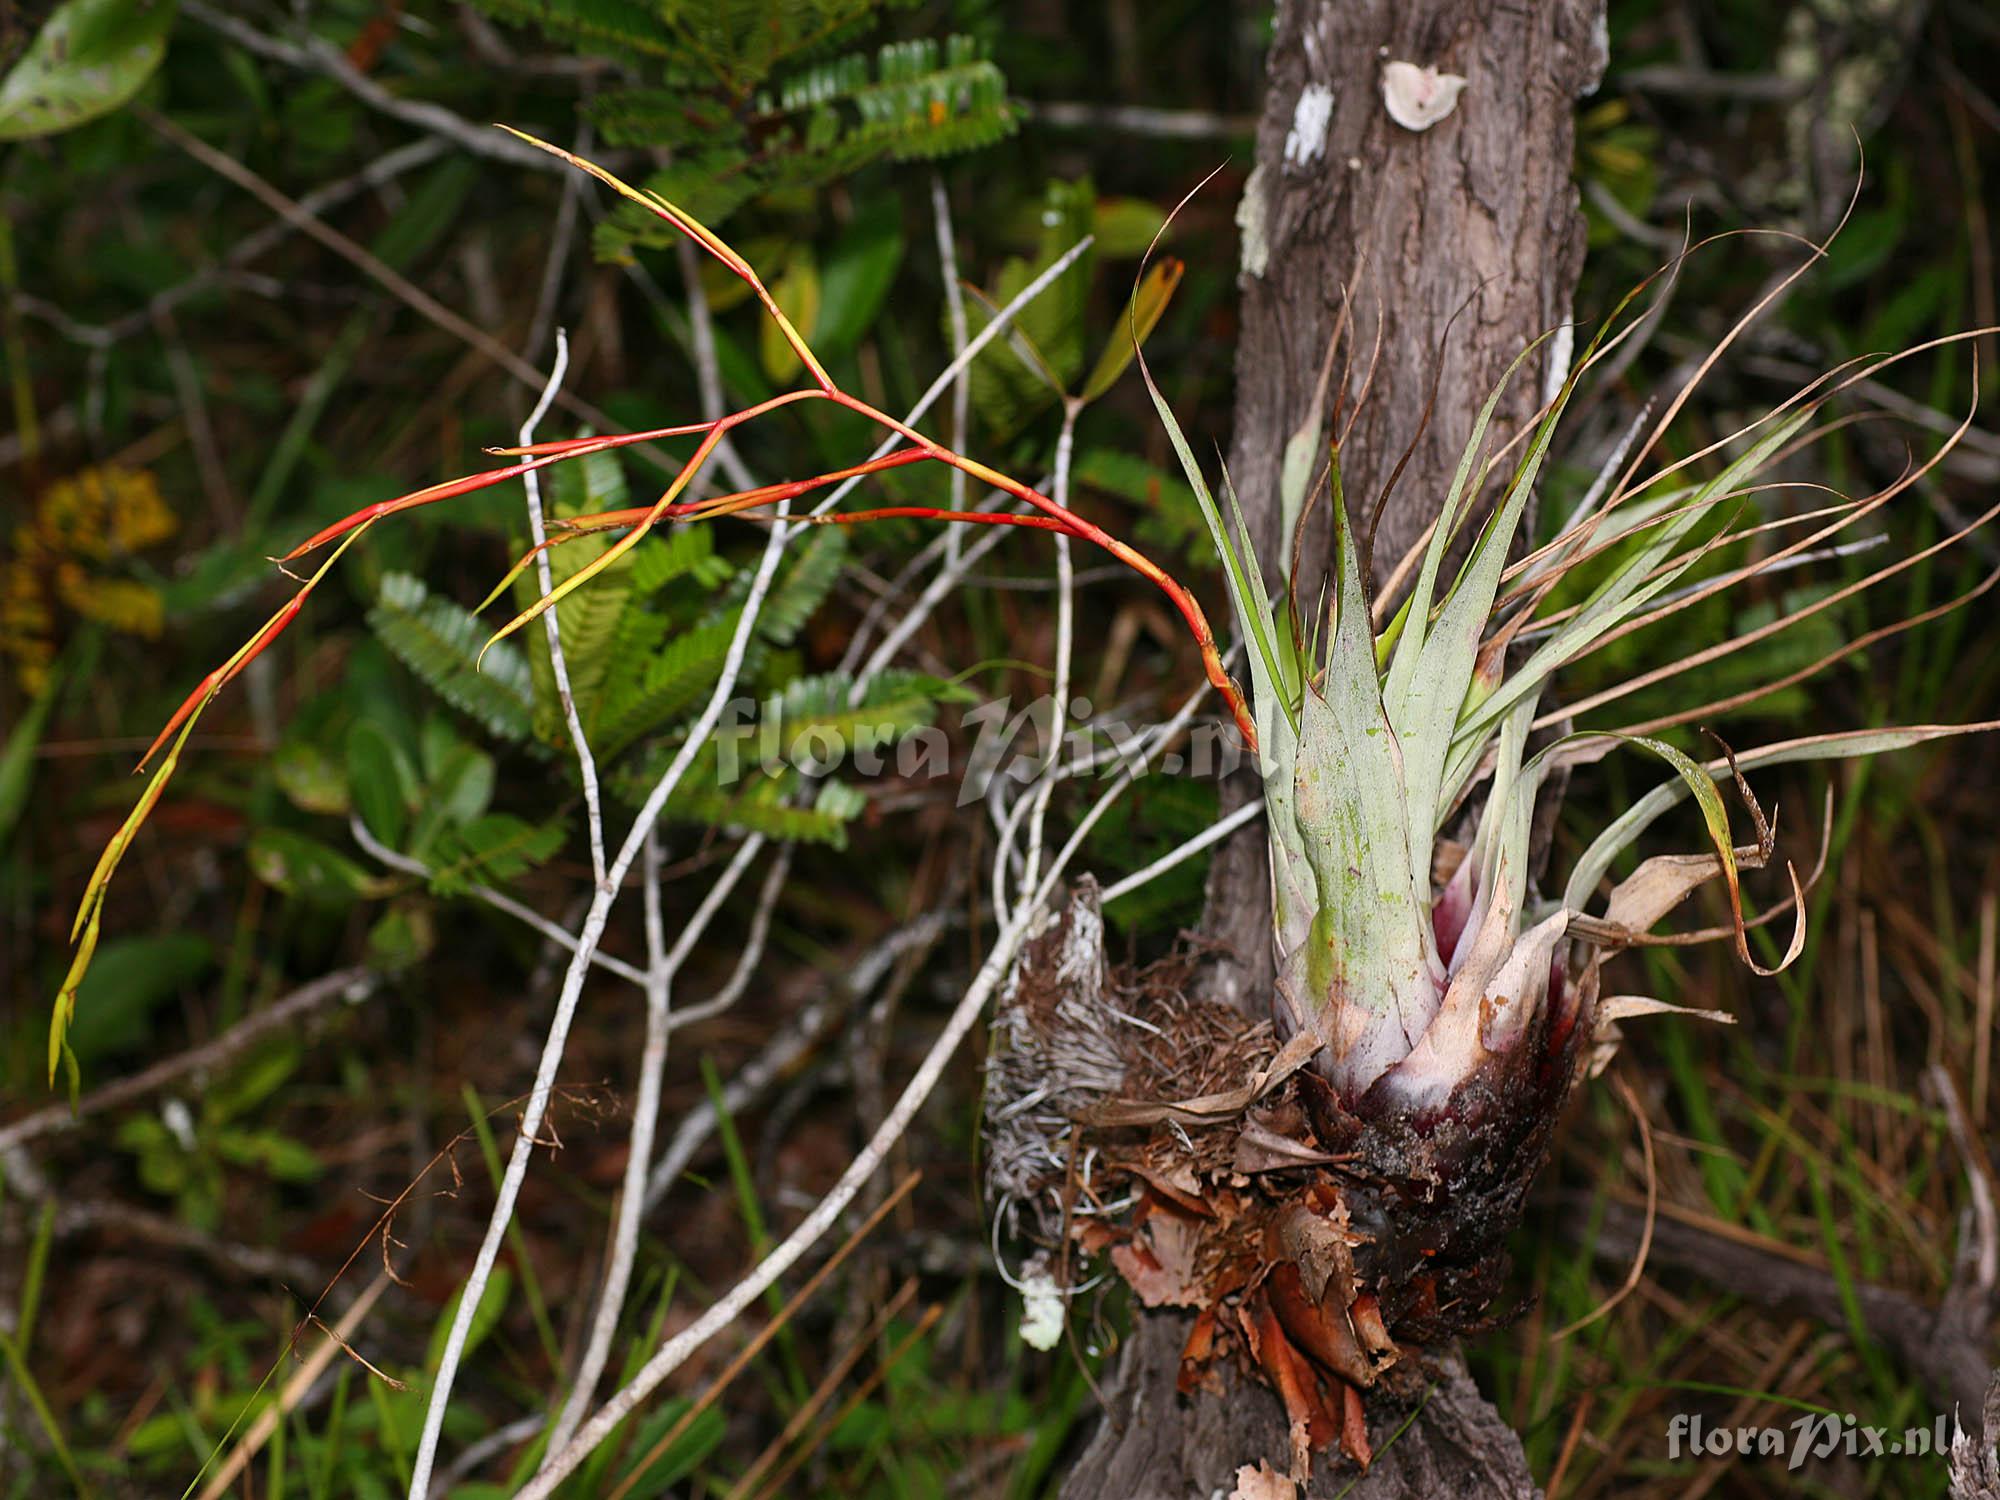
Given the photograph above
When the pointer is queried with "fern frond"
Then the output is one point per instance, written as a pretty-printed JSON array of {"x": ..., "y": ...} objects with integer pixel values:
[
  {"x": 616, "y": 26},
  {"x": 674, "y": 679},
  {"x": 814, "y": 712},
  {"x": 494, "y": 849},
  {"x": 589, "y": 617},
  {"x": 710, "y": 184},
  {"x": 761, "y": 810},
  {"x": 661, "y": 117},
  {"x": 804, "y": 587},
  {"x": 440, "y": 641},
  {"x": 689, "y": 551}
]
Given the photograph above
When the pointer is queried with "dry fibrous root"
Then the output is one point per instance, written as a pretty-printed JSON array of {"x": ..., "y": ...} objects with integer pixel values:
[{"x": 1321, "y": 1247}]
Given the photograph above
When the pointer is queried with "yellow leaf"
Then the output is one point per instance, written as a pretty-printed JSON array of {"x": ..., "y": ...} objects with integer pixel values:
[
  {"x": 95, "y": 510},
  {"x": 122, "y": 603},
  {"x": 1149, "y": 300},
  {"x": 797, "y": 295}
]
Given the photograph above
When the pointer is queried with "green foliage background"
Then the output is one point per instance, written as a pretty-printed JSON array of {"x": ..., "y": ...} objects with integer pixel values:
[{"x": 159, "y": 322}]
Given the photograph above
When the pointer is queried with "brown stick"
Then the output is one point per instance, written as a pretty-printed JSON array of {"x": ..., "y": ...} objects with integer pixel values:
[
  {"x": 302, "y": 1002},
  {"x": 1944, "y": 1345}
]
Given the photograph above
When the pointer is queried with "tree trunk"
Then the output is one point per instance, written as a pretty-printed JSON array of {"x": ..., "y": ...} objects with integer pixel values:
[{"x": 1478, "y": 213}]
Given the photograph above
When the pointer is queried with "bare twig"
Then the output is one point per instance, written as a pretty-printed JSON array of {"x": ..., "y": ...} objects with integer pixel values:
[
  {"x": 1136, "y": 119},
  {"x": 752, "y": 953},
  {"x": 961, "y": 390},
  {"x": 194, "y": 413},
  {"x": 1000, "y": 323},
  {"x": 352, "y": 985},
  {"x": 696, "y": 333},
  {"x": 1016, "y": 925},
  {"x": 586, "y": 765},
  {"x": 561, "y": 238},
  {"x": 1065, "y": 641},
  {"x": 1951, "y": 1358},
  {"x": 830, "y": 1001},
  {"x": 228, "y": 270},
  {"x": 823, "y": 1217},
  {"x": 371, "y": 265},
  {"x": 645, "y": 1113},
  {"x": 498, "y": 900},
  {"x": 318, "y": 57},
  {"x": 161, "y": 1232},
  {"x": 707, "y": 368},
  {"x": 1215, "y": 833},
  {"x": 588, "y": 937},
  {"x": 663, "y": 967},
  {"x": 755, "y": 1346},
  {"x": 259, "y": 1432}
]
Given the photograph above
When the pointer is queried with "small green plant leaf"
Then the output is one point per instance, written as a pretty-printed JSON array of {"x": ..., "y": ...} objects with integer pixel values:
[
  {"x": 131, "y": 979},
  {"x": 301, "y": 866},
  {"x": 855, "y": 281},
  {"x": 312, "y": 780},
  {"x": 796, "y": 292},
  {"x": 375, "y": 780},
  {"x": 1149, "y": 301},
  {"x": 89, "y": 57},
  {"x": 440, "y": 641},
  {"x": 485, "y": 1317}
]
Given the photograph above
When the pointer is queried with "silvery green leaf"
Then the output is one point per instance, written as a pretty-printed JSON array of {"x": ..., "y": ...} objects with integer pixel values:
[
  {"x": 1622, "y": 594},
  {"x": 1626, "y": 830},
  {"x": 1239, "y": 564},
  {"x": 1425, "y": 702},
  {"x": 1367, "y": 978},
  {"x": 1404, "y": 665}
]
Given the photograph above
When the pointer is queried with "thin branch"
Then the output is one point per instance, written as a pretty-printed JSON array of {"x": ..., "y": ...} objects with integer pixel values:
[
  {"x": 498, "y": 900},
  {"x": 561, "y": 238},
  {"x": 1136, "y": 119},
  {"x": 385, "y": 168},
  {"x": 624, "y": 1247},
  {"x": 999, "y": 324},
  {"x": 753, "y": 945},
  {"x": 371, "y": 265},
  {"x": 316, "y": 56},
  {"x": 586, "y": 765},
  {"x": 783, "y": 1052},
  {"x": 663, "y": 967},
  {"x": 1065, "y": 641},
  {"x": 727, "y": 1309},
  {"x": 294, "y": 1390},
  {"x": 954, "y": 302},
  {"x": 1015, "y": 928},
  {"x": 1215, "y": 833},
  {"x": 707, "y": 367},
  {"x": 588, "y": 937},
  {"x": 352, "y": 985}
]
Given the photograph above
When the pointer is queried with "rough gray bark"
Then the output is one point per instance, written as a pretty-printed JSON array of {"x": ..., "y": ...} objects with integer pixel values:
[
  {"x": 1480, "y": 207},
  {"x": 1155, "y": 1445}
]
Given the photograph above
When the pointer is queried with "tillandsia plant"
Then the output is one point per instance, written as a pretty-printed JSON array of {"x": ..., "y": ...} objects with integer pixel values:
[
  {"x": 1336, "y": 1189},
  {"x": 1331, "y": 1191}
]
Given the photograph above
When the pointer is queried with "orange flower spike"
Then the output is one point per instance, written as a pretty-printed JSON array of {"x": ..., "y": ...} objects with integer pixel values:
[
  {"x": 703, "y": 236},
  {"x": 936, "y": 513},
  {"x": 90, "y": 909},
  {"x": 623, "y": 545},
  {"x": 1185, "y": 603},
  {"x": 430, "y": 495}
]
